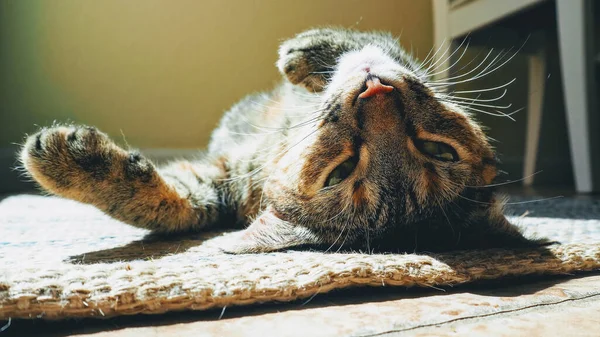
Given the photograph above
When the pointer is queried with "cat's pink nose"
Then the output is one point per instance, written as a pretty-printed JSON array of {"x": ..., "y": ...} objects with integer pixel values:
[{"x": 374, "y": 87}]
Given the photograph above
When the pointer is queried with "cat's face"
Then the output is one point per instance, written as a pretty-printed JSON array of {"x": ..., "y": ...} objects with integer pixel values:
[{"x": 385, "y": 154}]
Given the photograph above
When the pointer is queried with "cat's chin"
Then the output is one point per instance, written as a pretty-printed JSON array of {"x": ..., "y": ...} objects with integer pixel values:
[{"x": 269, "y": 233}]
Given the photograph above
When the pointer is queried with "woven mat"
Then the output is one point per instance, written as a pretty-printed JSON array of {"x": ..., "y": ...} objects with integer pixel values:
[{"x": 62, "y": 259}]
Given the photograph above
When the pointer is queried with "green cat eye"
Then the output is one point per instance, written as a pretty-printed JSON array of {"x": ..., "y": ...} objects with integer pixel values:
[
  {"x": 341, "y": 172},
  {"x": 437, "y": 150}
]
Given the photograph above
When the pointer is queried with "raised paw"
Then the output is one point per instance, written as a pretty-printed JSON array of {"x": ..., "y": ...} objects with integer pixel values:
[
  {"x": 308, "y": 58},
  {"x": 68, "y": 160}
]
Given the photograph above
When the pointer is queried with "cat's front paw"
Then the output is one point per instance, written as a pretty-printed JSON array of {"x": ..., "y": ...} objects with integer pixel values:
[
  {"x": 309, "y": 58},
  {"x": 64, "y": 157}
]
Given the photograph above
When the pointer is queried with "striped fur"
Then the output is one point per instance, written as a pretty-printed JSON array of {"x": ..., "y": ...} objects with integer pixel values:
[{"x": 269, "y": 160}]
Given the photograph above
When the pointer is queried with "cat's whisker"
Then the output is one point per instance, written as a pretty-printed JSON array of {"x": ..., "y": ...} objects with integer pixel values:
[
  {"x": 512, "y": 203},
  {"x": 442, "y": 81},
  {"x": 305, "y": 93},
  {"x": 429, "y": 70},
  {"x": 497, "y": 59},
  {"x": 451, "y": 67},
  {"x": 478, "y": 104},
  {"x": 481, "y": 75},
  {"x": 313, "y": 107},
  {"x": 426, "y": 59},
  {"x": 262, "y": 130},
  {"x": 251, "y": 134},
  {"x": 288, "y": 108},
  {"x": 261, "y": 167},
  {"x": 281, "y": 129},
  {"x": 428, "y": 63},
  {"x": 307, "y": 114},
  {"x": 306, "y": 123},
  {"x": 485, "y": 89},
  {"x": 368, "y": 239},
  {"x": 496, "y": 114},
  {"x": 344, "y": 228},
  {"x": 441, "y": 59},
  {"x": 448, "y": 68},
  {"x": 435, "y": 58},
  {"x": 460, "y": 189},
  {"x": 341, "y": 231},
  {"x": 457, "y": 70},
  {"x": 351, "y": 216},
  {"x": 535, "y": 200},
  {"x": 295, "y": 126},
  {"x": 420, "y": 66},
  {"x": 446, "y": 216},
  {"x": 277, "y": 104},
  {"x": 506, "y": 182},
  {"x": 262, "y": 153},
  {"x": 414, "y": 64},
  {"x": 344, "y": 241},
  {"x": 484, "y": 72},
  {"x": 476, "y": 99}
]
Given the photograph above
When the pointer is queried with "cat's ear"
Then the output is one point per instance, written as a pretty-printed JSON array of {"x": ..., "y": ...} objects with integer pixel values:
[
  {"x": 269, "y": 233},
  {"x": 309, "y": 58}
]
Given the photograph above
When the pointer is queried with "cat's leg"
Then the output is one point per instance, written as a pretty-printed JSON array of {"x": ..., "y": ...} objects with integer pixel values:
[{"x": 83, "y": 164}]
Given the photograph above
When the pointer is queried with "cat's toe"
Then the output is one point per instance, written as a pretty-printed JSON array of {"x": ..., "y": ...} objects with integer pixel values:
[
  {"x": 60, "y": 156},
  {"x": 82, "y": 140},
  {"x": 48, "y": 143},
  {"x": 35, "y": 147}
]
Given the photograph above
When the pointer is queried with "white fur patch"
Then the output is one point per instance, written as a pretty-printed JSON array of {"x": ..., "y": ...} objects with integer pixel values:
[{"x": 355, "y": 65}]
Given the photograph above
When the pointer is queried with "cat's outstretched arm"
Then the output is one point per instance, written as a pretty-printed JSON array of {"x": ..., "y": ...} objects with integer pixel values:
[{"x": 83, "y": 164}]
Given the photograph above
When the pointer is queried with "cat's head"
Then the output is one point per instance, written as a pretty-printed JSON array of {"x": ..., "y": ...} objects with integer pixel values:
[{"x": 378, "y": 159}]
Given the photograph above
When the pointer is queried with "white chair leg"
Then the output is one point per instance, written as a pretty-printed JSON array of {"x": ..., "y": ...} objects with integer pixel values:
[
  {"x": 572, "y": 42},
  {"x": 537, "y": 82},
  {"x": 441, "y": 37}
]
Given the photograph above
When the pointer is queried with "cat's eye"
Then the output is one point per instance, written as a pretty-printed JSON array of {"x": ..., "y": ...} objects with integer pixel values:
[
  {"x": 341, "y": 172},
  {"x": 437, "y": 150}
]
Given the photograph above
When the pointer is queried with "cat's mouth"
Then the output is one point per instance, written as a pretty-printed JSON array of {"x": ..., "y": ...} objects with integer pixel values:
[
  {"x": 373, "y": 86},
  {"x": 341, "y": 172}
]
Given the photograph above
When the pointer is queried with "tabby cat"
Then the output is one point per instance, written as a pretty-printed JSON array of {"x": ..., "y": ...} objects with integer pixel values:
[{"x": 355, "y": 149}]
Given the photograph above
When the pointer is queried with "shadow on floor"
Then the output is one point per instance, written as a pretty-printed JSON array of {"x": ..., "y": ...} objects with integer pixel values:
[{"x": 151, "y": 246}]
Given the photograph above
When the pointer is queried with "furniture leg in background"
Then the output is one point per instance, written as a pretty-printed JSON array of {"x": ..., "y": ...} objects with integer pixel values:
[
  {"x": 535, "y": 105},
  {"x": 453, "y": 19},
  {"x": 572, "y": 18}
]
